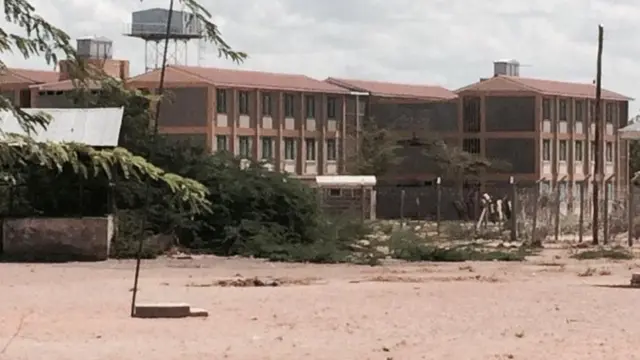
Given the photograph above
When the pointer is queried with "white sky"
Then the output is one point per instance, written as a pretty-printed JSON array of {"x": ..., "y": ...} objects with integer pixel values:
[{"x": 448, "y": 42}]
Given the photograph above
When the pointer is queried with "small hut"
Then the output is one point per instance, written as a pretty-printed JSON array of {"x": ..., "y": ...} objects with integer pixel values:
[{"x": 344, "y": 193}]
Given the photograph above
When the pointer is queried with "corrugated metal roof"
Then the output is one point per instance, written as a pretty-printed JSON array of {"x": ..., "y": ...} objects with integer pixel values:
[
  {"x": 544, "y": 87},
  {"x": 345, "y": 180},
  {"x": 94, "y": 127},
  {"x": 239, "y": 78},
  {"x": 389, "y": 89}
]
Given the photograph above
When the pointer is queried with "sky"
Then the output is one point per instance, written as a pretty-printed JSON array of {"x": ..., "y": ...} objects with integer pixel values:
[{"x": 446, "y": 42}]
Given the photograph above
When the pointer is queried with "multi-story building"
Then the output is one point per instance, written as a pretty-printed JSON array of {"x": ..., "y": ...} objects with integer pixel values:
[
  {"x": 415, "y": 114},
  {"x": 293, "y": 122},
  {"x": 544, "y": 129}
]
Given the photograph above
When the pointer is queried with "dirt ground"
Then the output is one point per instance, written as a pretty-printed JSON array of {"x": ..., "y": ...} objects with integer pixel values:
[{"x": 547, "y": 308}]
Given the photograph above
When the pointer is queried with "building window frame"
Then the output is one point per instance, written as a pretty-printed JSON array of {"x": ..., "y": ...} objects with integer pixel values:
[
  {"x": 562, "y": 109},
  {"x": 546, "y": 109},
  {"x": 609, "y": 151},
  {"x": 332, "y": 149},
  {"x": 266, "y": 104},
  {"x": 310, "y": 147},
  {"x": 243, "y": 102},
  {"x": 289, "y": 148},
  {"x": 245, "y": 147},
  {"x": 546, "y": 150},
  {"x": 578, "y": 151},
  {"x": 331, "y": 107},
  {"x": 222, "y": 143},
  {"x": 221, "y": 101},
  {"x": 310, "y": 106},
  {"x": 289, "y": 105},
  {"x": 563, "y": 150},
  {"x": 267, "y": 148}
]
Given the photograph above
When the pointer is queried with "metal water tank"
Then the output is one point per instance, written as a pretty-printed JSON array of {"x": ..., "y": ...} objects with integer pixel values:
[{"x": 93, "y": 47}]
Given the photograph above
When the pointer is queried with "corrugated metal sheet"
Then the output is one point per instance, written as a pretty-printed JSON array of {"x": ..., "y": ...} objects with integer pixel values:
[
  {"x": 345, "y": 180},
  {"x": 94, "y": 127}
]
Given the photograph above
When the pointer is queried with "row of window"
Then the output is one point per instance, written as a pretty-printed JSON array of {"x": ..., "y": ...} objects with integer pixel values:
[
  {"x": 267, "y": 110},
  {"x": 579, "y": 150},
  {"x": 580, "y": 109},
  {"x": 245, "y": 147}
]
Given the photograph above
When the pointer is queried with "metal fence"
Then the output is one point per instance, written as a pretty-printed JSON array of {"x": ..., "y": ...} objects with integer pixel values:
[{"x": 539, "y": 213}]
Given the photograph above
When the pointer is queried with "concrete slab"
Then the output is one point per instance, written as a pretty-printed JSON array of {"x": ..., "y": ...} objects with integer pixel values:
[
  {"x": 162, "y": 310},
  {"x": 197, "y": 312}
]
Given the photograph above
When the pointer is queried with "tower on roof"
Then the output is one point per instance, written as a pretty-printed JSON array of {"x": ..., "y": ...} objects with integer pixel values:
[
  {"x": 151, "y": 26},
  {"x": 508, "y": 67}
]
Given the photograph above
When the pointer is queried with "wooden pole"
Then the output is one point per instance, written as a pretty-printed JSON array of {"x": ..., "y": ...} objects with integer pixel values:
[{"x": 597, "y": 168}]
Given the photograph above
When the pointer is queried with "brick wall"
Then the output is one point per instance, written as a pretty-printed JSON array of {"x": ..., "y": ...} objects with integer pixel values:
[{"x": 58, "y": 239}]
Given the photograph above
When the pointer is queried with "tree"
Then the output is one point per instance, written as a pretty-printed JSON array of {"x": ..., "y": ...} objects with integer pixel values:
[
  {"x": 41, "y": 38},
  {"x": 377, "y": 152}
]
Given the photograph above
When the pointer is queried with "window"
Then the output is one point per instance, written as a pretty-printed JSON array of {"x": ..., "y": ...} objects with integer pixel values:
[
  {"x": 267, "y": 148},
  {"x": 471, "y": 146},
  {"x": 331, "y": 107},
  {"x": 592, "y": 111},
  {"x": 222, "y": 143},
  {"x": 311, "y": 149},
  {"x": 288, "y": 105},
  {"x": 562, "y": 148},
  {"x": 310, "y": 106},
  {"x": 546, "y": 150},
  {"x": 289, "y": 148},
  {"x": 609, "y": 151},
  {"x": 221, "y": 101},
  {"x": 546, "y": 109},
  {"x": 609, "y": 112},
  {"x": 243, "y": 102},
  {"x": 592, "y": 151},
  {"x": 579, "y": 151},
  {"x": 563, "y": 109},
  {"x": 266, "y": 104},
  {"x": 579, "y": 110},
  {"x": 332, "y": 150},
  {"x": 335, "y": 192},
  {"x": 245, "y": 146}
]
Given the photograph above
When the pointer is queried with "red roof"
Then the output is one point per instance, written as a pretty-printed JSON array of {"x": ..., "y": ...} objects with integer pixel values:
[
  {"x": 387, "y": 89},
  {"x": 11, "y": 76},
  {"x": 544, "y": 87},
  {"x": 64, "y": 85},
  {"x": 239, "y": 79}
]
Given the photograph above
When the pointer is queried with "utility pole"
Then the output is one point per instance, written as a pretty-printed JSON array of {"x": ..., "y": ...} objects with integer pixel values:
[{"x": 597, "y": 167}]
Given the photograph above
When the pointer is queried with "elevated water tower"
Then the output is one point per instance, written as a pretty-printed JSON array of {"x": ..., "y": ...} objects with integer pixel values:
[{"x": 151, "y": 26}]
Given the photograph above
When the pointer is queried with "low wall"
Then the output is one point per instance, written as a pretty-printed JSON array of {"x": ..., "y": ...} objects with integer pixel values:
[{"x": 58, "y": 239}]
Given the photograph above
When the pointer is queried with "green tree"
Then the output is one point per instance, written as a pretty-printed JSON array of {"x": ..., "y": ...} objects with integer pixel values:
[{"x": 40, "y": 38}]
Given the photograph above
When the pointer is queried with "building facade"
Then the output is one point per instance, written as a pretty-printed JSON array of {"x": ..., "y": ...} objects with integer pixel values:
[
  {"x": 293, "y": 123},
  {"x": 545, "y": 130}
]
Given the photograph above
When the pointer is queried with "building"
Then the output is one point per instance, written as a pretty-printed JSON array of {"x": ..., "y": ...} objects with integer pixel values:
[
  {"x": 414, "y": 113},
  {"x": 293, "y": 122},
  {"x": 48, "y": 89},
  {"x": 545, "y": 129}
]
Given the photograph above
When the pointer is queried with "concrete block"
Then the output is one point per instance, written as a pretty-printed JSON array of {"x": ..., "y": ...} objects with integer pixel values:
[
  {"x": 162, "y": 310},
  {"x": 197, "y": 312}
]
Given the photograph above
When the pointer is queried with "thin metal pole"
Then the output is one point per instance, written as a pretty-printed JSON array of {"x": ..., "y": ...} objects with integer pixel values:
[
  {"x": 152, "y": 151},
  {"x": 438, "y": 204},
  {"x": 597, "y": 168}
]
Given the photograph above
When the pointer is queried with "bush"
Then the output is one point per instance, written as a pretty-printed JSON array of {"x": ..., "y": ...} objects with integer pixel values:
[{"x": 616, "y": 253}]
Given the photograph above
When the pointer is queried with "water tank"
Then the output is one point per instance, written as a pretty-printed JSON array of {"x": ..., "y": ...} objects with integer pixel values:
[
  {"x": 508, "y": 67},
  {"x": 93, "y": 47},
  {"x": 152, "y": 23}
]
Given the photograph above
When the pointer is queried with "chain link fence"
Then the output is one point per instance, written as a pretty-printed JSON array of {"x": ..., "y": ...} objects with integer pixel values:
[{"x": 538, "y": 212}]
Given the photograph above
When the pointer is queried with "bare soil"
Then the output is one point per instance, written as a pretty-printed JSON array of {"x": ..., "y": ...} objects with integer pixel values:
[{"x": 549, "y": 307}]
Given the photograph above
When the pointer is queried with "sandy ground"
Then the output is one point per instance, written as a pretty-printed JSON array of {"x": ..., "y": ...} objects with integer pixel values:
[{"x": 543, "y": 309}]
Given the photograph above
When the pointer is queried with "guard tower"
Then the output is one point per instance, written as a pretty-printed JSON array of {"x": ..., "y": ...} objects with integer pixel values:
[{"x": 151, "y": 26}]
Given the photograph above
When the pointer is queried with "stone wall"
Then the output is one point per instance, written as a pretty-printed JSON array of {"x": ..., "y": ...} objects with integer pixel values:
[{"x": 58, "y": 239}]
